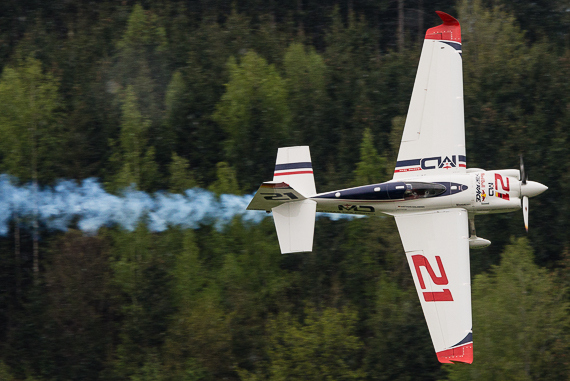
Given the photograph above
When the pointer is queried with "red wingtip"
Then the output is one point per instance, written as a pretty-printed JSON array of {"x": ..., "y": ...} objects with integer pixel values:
[
  {"x": 447, "y": 19},
  {"x": 463, "y": 353},
  {"x": 450, "y": 30}
]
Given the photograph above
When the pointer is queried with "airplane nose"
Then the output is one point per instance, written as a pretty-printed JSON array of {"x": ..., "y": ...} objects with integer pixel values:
[{"x": 532, "y": 188}]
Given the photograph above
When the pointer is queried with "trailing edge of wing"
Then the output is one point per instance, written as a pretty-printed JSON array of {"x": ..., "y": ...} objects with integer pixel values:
[{"x": 437, "y": 248}]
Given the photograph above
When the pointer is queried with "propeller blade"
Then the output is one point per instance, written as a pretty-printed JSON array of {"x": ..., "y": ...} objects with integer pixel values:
[
  {"x": 523, "y": 172},
  {"x": 525, "y": 212}
]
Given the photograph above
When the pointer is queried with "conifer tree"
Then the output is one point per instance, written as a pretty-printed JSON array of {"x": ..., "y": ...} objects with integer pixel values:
[
  {"x": 519, "y": 322},
  {"x": 181, "y": 177},
  {"x": 254, "y": 114},
  {"x": 372, "y": 167},
  {"x": 132, "y": 155}
]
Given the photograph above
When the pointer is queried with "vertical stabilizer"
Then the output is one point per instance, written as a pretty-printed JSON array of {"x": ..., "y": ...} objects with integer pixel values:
[
  {"x": 295, "y": 221},
  {"x": 293, "y": 167},
  {"x": 295, "y": 224}
]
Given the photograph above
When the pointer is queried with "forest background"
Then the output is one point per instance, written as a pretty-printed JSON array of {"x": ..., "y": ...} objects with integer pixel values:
[{"x": 171, "y": 95}]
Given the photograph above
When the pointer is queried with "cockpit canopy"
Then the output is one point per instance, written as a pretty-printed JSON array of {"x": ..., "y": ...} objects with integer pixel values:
[
  {"x": 397, "y": 190},
  {"x": 423, "y": 190}
]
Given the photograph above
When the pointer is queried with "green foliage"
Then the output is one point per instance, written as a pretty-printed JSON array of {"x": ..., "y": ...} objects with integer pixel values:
[
  {"x": 29, "y": 102},
  {"x": 226, "y": 182},
  {"x": 352, "y": 58},
  {"x": 141, "y": 265},
  {"x": 188, "y": 273},
  {"x": 5, "y": 372},
  {"x": 520, "y": 321},
  {"x": 142, "y": 32},
  {"x": 254, "y": 114},
  {"x": 181, "y": 177},
  {"x": 141, "y": 58},
  {"x": 515, "y": 96},
  {"x": 80, "y": 305},
  {"x": 395, "y": 139},
  {"x": 141, "y": 67},
  {"x": 175, "y": 101},
  {"x": 396, "y": 311},
  {"x": 199, "y": 340},
  {"x": 371, "y": 168},
  {"x": 138, "y": 165},
  {"x": 150, "y": 371},
  {"x": 305, "y": 71},
  {"x": 167, "y": 95},
  {"x": 323, "y": 347}
]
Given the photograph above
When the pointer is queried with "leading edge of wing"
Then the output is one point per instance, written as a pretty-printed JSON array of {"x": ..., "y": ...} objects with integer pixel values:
[
  {"x": 437, "y": 249},
  {"x": 433, "y": 139}
]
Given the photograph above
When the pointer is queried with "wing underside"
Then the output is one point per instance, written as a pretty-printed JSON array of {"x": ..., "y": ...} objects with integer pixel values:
[{"x": 437, "y": 248}]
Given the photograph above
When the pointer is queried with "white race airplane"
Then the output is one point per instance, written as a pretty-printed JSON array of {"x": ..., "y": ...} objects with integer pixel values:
[{"x": 433, "y": 196}]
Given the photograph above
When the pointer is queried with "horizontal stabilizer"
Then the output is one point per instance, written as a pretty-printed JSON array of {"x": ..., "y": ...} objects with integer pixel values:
[{"x": 271, "y": 194}]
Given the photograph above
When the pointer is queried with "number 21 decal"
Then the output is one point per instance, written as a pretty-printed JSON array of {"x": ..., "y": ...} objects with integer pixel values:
[
  {"x": 439, "y": 296},
  {"x": 502, "y": 185},
  {"x": 280, "y": 196}
]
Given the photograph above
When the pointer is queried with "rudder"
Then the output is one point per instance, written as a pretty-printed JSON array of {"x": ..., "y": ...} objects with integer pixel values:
[
  {"x": 293, "y": 167},
  {"x": 295, "y": 221},
  {"x": 295, "y": 225}
]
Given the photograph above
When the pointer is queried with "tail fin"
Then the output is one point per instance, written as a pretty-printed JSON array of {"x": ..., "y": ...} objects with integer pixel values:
[
  {"x": 295, "y": 224},
  {"x": 287, "y": 196},
  {"x": 293, "y": 166}
]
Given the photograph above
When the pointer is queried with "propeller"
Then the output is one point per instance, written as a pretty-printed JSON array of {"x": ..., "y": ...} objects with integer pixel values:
[
  {"x": 525, "y": 211},
  {"x": 524, "y": 178}
]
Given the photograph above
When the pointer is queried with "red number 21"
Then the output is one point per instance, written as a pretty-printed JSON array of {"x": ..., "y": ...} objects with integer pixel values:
[{"x": 441, "y": 296}]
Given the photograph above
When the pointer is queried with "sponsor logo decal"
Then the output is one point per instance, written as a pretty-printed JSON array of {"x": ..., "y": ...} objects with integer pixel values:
[
  {"x": 499, "y": 188},
  {"x": 478, "y": 197},
  {"x": 483, "y": 194},
  {"x": 503, "y": 187},
  {"x": 280, "y": 196},
  {"x": 448, "y": 163},
  {"x": 427, "y": 163},
  {"x": 356, "y": 208}
]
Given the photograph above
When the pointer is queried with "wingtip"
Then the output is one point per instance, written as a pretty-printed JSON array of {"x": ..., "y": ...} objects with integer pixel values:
[
  {"x": 463, "y": 353},
  {"x": 450, "y": 30},
  {"x": 447, "y": 19}
]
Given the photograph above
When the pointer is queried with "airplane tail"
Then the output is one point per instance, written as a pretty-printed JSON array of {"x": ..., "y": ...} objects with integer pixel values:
[{"x": 287, "y": 196}]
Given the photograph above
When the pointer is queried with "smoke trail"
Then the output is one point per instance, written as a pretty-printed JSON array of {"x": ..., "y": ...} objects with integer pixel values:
[{"x": 89, "y": 206}]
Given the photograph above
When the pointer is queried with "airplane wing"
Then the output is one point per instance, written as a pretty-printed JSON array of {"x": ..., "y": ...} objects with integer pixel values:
[
  {"x": 437, "y": 248},
  {"x": 433, "y": 141}
]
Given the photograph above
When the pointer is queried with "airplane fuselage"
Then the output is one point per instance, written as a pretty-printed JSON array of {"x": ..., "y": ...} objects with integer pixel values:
[{"x": 478, "y": 191}]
